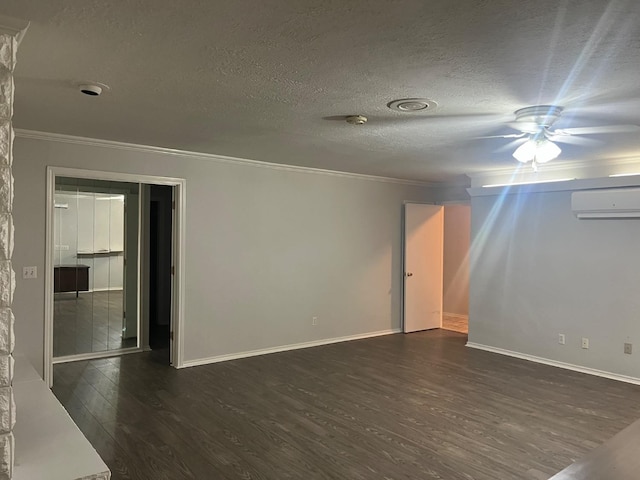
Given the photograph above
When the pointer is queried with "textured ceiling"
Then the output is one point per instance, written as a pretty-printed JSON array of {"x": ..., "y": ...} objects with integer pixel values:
[{"x": 265, "y": 80}]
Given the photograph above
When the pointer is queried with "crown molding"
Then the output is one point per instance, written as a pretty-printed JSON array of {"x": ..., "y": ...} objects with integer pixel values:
[
  {"x": 94, "y": 142},
  {"x": 14, "y": 27},
  {"x": 561, "y": 186},
  {"x": 555, "y": 167}
]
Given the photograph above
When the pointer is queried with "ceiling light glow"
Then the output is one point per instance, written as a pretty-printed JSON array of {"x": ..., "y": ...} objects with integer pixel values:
[
  {"x": 526, "y": 152},
  {"x": 547, "y": 151},
  {"x": 539, "y": 151}
]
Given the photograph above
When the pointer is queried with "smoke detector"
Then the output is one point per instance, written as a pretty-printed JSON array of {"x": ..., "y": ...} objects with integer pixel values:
[
  {"x": 93, "y": 89},
  {"x": 408, "y": 105},
  {"x": 356, "y": 119}
]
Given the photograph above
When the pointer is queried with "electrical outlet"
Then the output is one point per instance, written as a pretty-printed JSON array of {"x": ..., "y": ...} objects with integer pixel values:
[
  {"x": 29, "y": 272},
  {"x": 585, "y": 342},
  {"x": 561, "y": 339},
  {"x": 314, "y": 321},
  {"x": 628, "y": 348}
]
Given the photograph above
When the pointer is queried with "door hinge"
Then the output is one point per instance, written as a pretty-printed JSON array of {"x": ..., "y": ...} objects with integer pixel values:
[
  {"x": 171, "y": 336},
  {"x": 173, "y": 270},
  {"x": 173, "y": 205}
]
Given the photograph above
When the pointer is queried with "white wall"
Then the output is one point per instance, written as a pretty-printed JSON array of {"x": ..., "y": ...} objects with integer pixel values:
[
  {"x": 457, "y": 235},
  {"x": 267, "y": 249},
  {"x": 537, "y": 271}
]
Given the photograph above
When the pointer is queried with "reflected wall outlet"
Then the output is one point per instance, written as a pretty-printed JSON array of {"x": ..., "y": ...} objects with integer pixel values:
[
  {"x": 585, "y": 342},
  {"x": 29, "y": 272},
  {"x": 628, "y": 348},
  {"x": 561, "y": 339},
  {"x": 314, "y": 321}
]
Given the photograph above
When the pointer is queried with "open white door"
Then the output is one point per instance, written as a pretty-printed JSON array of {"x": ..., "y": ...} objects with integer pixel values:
[{"x": 423, "y": 260}]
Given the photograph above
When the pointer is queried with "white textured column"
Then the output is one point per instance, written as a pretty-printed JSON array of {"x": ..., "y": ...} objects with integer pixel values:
[{"x": 8, "y": 48}]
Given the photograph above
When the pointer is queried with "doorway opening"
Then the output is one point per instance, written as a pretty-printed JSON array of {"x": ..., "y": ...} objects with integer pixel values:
[
  {"x": 457, "y": 238},
  {"x": 436, "y": 245},
  {"x": 158, "y": 263},
  {"x": 114, "y": 265}
]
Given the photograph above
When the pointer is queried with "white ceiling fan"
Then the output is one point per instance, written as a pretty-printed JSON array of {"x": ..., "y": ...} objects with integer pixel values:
[{"x": 537, "y": 139}]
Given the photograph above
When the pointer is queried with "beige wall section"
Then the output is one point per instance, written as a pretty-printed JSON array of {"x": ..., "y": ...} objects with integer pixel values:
[
  {"x": 457, "y": 233},
  {"x": 266, "y": 249}
]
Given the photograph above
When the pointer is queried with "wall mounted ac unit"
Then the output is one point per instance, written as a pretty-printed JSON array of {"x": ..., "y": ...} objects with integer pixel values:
[{"x": 606, "y": 203}]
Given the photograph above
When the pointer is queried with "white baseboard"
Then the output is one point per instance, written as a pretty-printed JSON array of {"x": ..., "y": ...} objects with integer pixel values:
[
  {"x": 555, "y": 363},
  {"x": 456, "y": 315},
  {"x": 95, "y": 355},
  {"x": 285, "y": 348}
]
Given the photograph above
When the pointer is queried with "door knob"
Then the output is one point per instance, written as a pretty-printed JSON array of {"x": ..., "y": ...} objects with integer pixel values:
[{"x": 409, "y": 274}]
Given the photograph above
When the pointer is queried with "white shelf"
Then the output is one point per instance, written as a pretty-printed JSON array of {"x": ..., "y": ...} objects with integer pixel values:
[{"x": 48, "y": 444}]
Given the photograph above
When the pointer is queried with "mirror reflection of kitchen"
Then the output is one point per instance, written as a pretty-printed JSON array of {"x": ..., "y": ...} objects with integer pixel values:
[{"x": 95, "y": 267}]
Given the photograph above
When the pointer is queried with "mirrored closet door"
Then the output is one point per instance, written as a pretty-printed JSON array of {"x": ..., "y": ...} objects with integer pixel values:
[{"x": 95, "y": 267}]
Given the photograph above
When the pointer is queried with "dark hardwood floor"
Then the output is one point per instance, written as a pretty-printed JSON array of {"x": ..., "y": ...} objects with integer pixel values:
[{"x": 414, "y": 406}]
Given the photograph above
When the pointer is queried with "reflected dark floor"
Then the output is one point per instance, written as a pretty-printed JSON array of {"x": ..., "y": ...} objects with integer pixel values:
[
  {"x": 395, "y": 407},
  {"x": 91, "y": 322}
]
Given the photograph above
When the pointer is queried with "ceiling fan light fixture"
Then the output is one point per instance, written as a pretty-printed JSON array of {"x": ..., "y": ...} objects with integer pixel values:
[
  {"x": 540, "y": 115},
  {"x": 542, "y": 151},
  {"x": 526, "y": 152},
  {"x": 547, "y": 151}
]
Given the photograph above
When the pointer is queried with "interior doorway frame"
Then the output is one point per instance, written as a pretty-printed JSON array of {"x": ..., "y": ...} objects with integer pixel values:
[{"x": 179, "y": 242}]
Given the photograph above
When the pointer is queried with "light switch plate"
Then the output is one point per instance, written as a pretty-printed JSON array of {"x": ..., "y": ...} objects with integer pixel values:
[{"x": 29, "y": 272}]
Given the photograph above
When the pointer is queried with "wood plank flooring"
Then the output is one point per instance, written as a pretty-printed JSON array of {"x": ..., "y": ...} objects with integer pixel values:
[
  {"x": 455, "y": 324},
  {"x": 414, "y": 406}
]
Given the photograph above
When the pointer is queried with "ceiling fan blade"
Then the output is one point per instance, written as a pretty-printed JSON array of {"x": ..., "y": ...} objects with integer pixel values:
[
  {"x": 596, "y": 130},
  {"x": 510, "y": 146},
  {"x": 511, "y": 135},
  {"x": 585, "y": 142}
]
